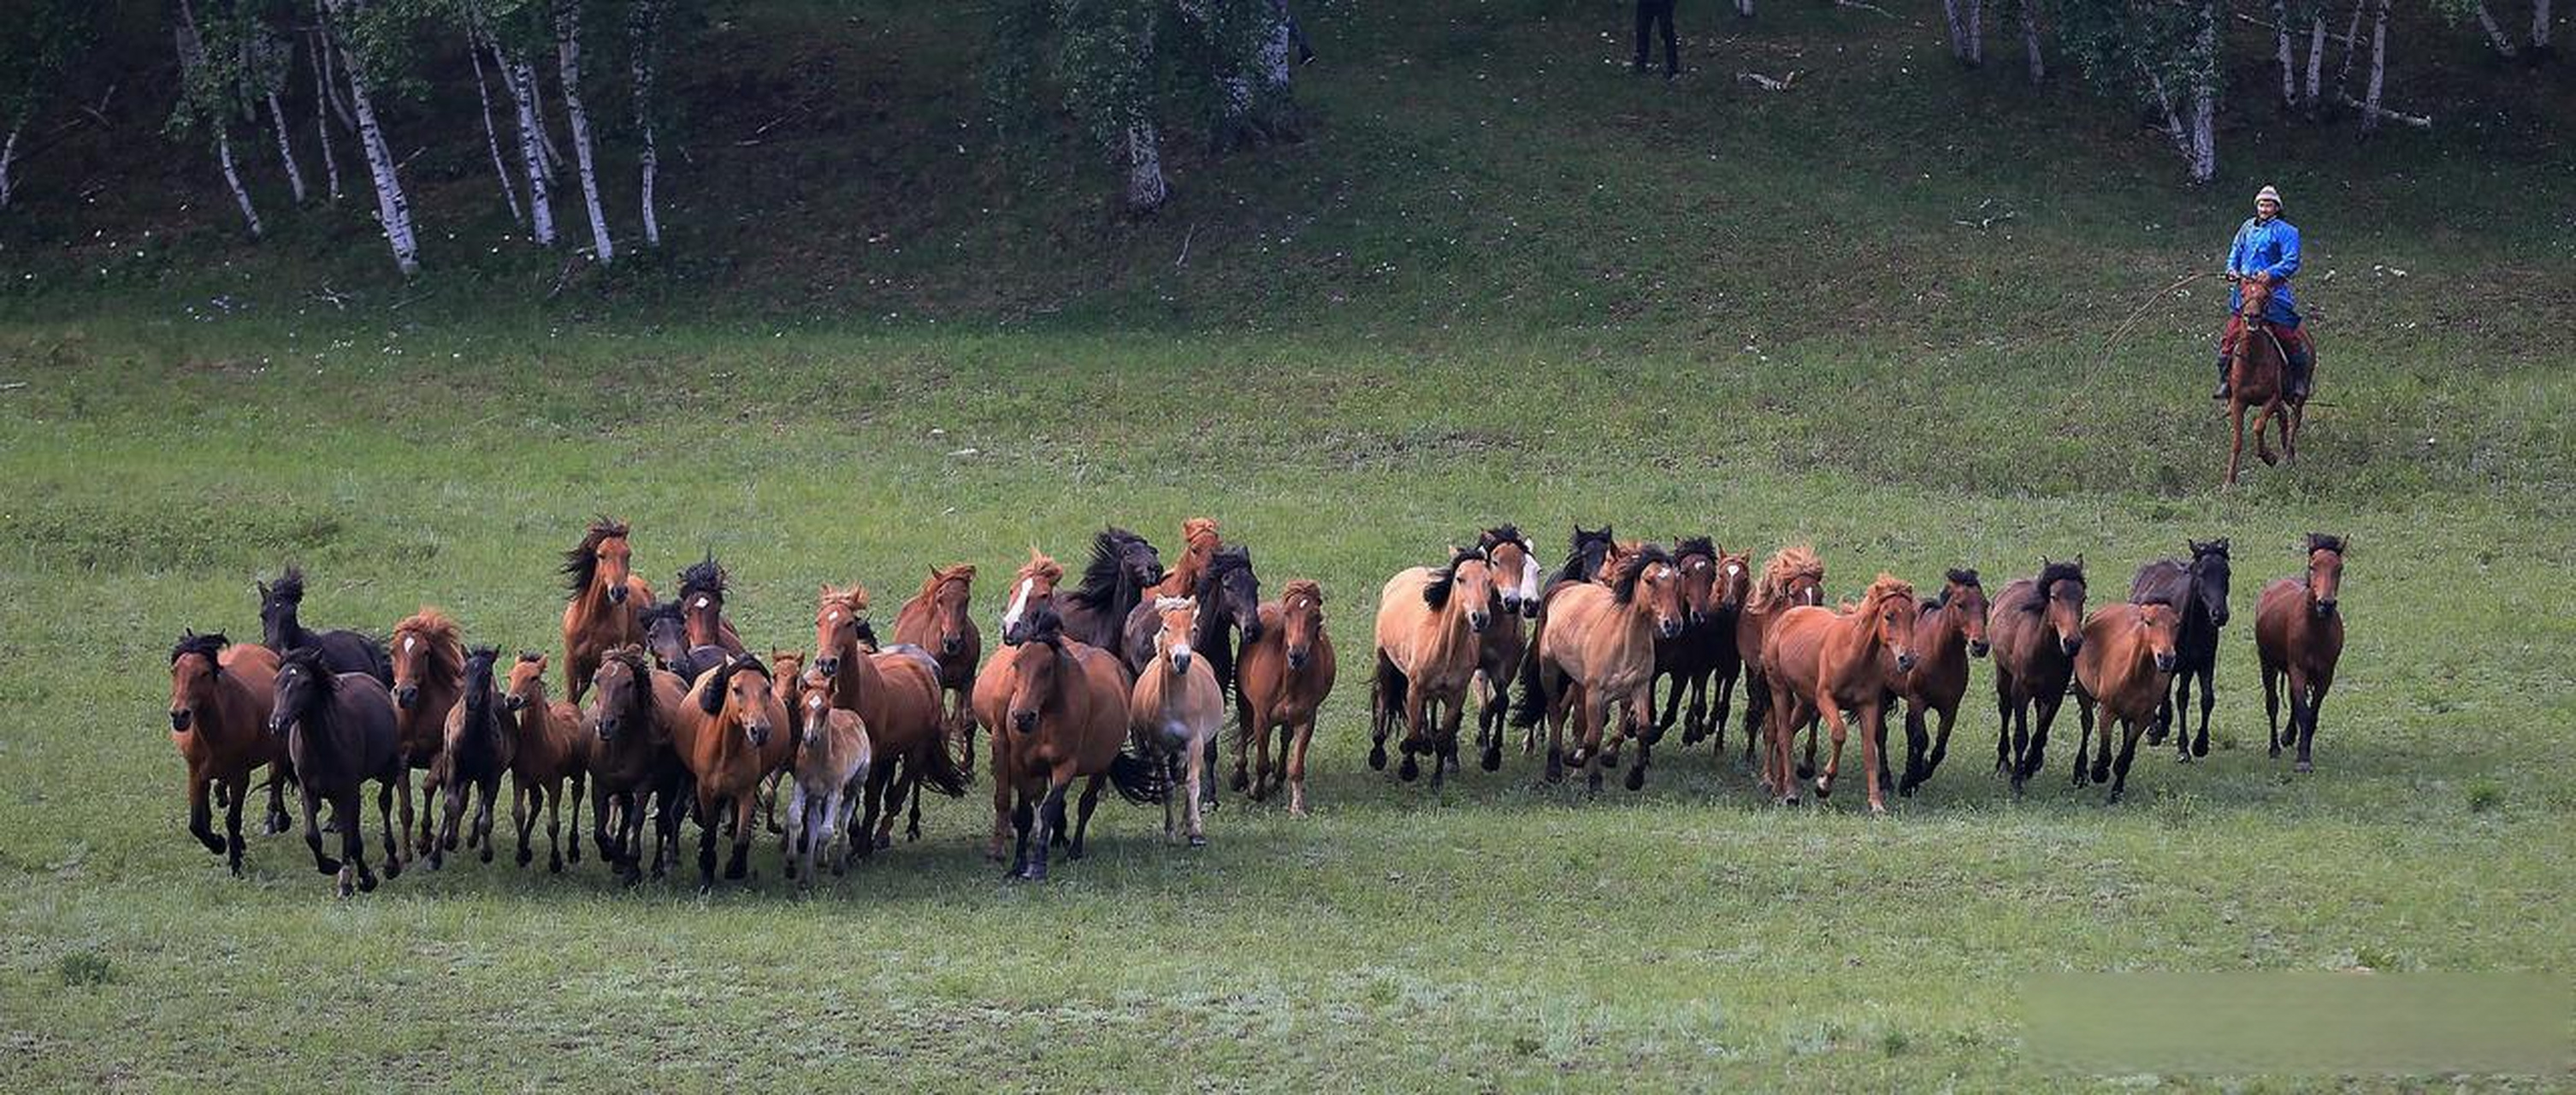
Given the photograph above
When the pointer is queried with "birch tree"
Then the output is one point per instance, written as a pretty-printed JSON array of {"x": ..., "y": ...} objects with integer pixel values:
[
  {"x": 37, "y": 46},
  {"x": 644, "y": 45},
  {"x": 567, "y": 20},
  {"x": 319, "y": 48},
  {"x": 360, "y": 35},
  {"x": 268, "y": 59},
  {"x": 510, "y": 32},
  {"x": 2164, "y": 52},
  {"x": 491, "y": 137},
  {"x": 1967, "y": 31},
  {"x": 210, "y": 86}
]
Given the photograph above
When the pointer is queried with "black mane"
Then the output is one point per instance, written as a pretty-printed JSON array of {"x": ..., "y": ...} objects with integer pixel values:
[
  {"x": 2217, "y": 547},
  {"x": 1695, "y": 545},
  {"x": 2051, "y": 573},
  {"x": 1437, "y": 593},
  {"x": 1505, "y": 533},
  {"x": 1107, "y": 570},
  {"x": 1575, "y": 568},
  {"x": 210, "y": 644},
  {"x": 581, "y": 564},
  {"x": 711, "y": 699},
  {"x": 311, "y": 660},
  {"x": 2325, "y": 541},
  {"x": 1961, "y": 576},
  {"x": 289, "y": 586},
  {"x": 666, "y": 610},
  {"x": 1226, "y": 561},
  {"x": 1624, "y": 590},
  {"x": 1045, "y": 626},
  {"x": 706, "y": 576}
]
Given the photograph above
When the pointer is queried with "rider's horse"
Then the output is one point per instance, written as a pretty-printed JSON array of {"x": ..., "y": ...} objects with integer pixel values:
[{"x": 2258, "y": 376}]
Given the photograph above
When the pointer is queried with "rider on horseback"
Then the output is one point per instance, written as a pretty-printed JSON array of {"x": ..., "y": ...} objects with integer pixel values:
[{"x": 2267, "y": 247}]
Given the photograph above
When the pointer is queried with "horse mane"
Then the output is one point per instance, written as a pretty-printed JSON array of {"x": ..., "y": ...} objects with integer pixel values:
[
  {"x": 581, "y": 564},
  {"x": 1040, "y": 565},
  {"x": 446, "y": 642},
  {"x": 1632, "y": 567},
  {"x": 1887, "y": 586},
  {"x": 289, "y": 586},
  {"x": 631, "y": 654},
  {"x": 711, "y": 699},
  {"x": 2051, "y": 573},
  {"x": 1505, "y": 533},
  {"x": 1694, "y": 545},
  {"x": 666, "y": 610},
  {"x": 1437, "y": 593},
  {"x": 1306, "y": 586},
  {"x": 2217, "y": 547},
  {"x": 1046, "y": 626},
  {"x": 704, "y": 576},
  {"x": 1101, "y": 576},
  {"x": 1167, "y": 604},
  {"x": 210, "y": 644},
  {"x": 310, "y": 659},
  {"x": 940, "y": 576},
  {"x": 1785, "y": 564},
  {"x": 1574, "y": 545},
  {"x": 1958, "y": 576},
  {"x": 855, "y": 599},
  {"x": 2325, "y": 541},
  {"x": 526, "y": 656}
]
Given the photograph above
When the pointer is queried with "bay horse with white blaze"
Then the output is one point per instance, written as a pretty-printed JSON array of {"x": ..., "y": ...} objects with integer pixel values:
[
  {"x": 339, "y": 731},
  {"x": 1033, "y": 586},
  {"x": 1285, "y": 675},
  {"x": 701, "y": 600},
  {"x": 2037, "y": 625},
  {"x": 606, "y": 605},
  {"x": 2196, "y": 591},
  {"x": 1428, "y": 621},
  {"x": 1823, "y": 664},
  {"x": 2125, "y": 668},
  {"x": 429, "y": 676},
  {"x": 219, "y": 706},
  {"x": 2298, "y": 633}
]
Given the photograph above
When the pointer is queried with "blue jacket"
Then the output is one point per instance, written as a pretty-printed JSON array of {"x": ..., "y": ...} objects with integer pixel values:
[{"x": 2267, "y": 248}]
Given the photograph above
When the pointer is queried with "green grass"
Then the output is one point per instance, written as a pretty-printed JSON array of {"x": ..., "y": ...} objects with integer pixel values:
[{"x": 1756, "y": 326}]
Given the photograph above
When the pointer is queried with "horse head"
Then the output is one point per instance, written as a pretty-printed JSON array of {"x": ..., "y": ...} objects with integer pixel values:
[
  {"x": 602, "y": 561},
  {"x": 702, "y": 592},
  {"x": 1301, "y": 619},
  {"x": 1647, "y": 580},
  {"x": 427, "y": 650},
  {"x": 666, "y": 633},
  {"x": 1230, "y": 592},
  {"x": 1035, "y": 666},
  {"x": 2253, "y": 295},
  {"x": 839, "y": 616},
  {"x": 1180, "y": 616},
  {"x": 623, "y": 684},
  {"x": 951, "y": 599},
  {"x": 1892, "y": 615},
  {"x": 527, "y": 685},
  {"x": 304, "y": 683},
  {"x": 195, "y": 665},
  {"x": 1696, "y": 558},
  {"x": 1033, "y": 585},
  {"x": 1962, "y": 594},
  {"x": 1467, "y": 580},
  {"x": 2162, "y": 627},
  {"x": 739, "y": 693},
  {"x": 2209, "y": 578},
  {"x": 2325, "y": 572},
  {"x": 2061, "y": 598},
  {"x": 1516, "y": 577},
  {"x": 277, "y": 607}
]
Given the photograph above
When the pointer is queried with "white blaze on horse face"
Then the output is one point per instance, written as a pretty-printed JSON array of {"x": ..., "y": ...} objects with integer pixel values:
[
  {"x": 1019, "y": 604},
  {"x": 1529, "y": 578},
  {"x": 410, "y": 643},
  {"x": 702, "y": 601}
]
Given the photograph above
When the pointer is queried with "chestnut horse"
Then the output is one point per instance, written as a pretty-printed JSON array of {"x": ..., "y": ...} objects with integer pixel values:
[
  {"x": 1594, "y": 654},
  {"x": 339, "y": 730},
  {"x": 1950, "y": 630},
  {"x": 283, "y": 633},
  {"x": 2258, "y": 376},
  {"x": 1173, "y": 712},
  {"x": 939, "y": 619},
  {"x": 896, "y": 693},
  {"x": 634, "y": 712},
  {"x": 1199, "y": 542},
  {"x": 2037, "y": 627},
  {"x": 1123, "y": 566},
  {"x": 832, "y": 761},
  {"x": 1281, "y": 685},
  {"x": 2298, "y": 634},
  {"x": 1793, "y": 577},
  {"x": 477, "y": 753},
  {"x": 732, "y": 735},
  {"x": 1034, "y": 585},
  {"x": 428, "y": 677},
  {"x": 607, "y": 603},
  {"x": 1714, "y": 585},
  {"x": 1502, "y": 645},
  {"x": 1820, "y": 663},
  {"x": 1065, "y": 719},
  {"x": 1428, "y": 622},
  {"x": 2125, "y": 667},
  {"x": 219, "y": 706},
  {"x": 550, "y": 748},
  {"x": 2197, "y": 591},
  {"x": 701, "y": 601}
]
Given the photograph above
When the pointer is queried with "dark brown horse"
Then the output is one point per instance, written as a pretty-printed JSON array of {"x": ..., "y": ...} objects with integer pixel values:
[
  {"x": 2125, "y": 667},
  {"x": 2197, "y": 591},
  {"x": 429, "y": 675},
  {"x": 2258, "y": 376},
  {"x": 940, "y": 619},
  {"x": 2299, "y": 635},
  {"x": 633, "y": 767},
  {"x": 549, "y": 750},
  {"x": 2038, "y": 627},
  {"x": 1065, "y": 719},
  {"x": 701, "y": 600},
  {"x": 477, "y": 754},
  {"x": 1521, "y": 589},
  {"x": 219, "y": 706},
  {"x": 339, "y": 731},
  {"x": 1123, "y": 566},
  {"x": 1283, "y": 680},
  {"x": 607, "y": 603},
  {"x": 1714, "y": 585},
  {"x": 284, "y": 633},
  {"x": 1950, "y": 631}
]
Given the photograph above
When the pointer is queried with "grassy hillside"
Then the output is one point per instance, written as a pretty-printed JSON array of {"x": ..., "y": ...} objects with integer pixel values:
[{"x": 1503, "y": 281}]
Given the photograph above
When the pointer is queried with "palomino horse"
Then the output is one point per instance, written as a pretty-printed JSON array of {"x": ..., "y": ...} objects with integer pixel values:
[
  {"x": 1951, "y": 630},
  {"x": 832, "y": 760},
  {"x": 701, "y": 601},
  {"x": 1793, "y": 578},
  {"x": 339, "y": 730},
  {"x": 1427, "y": 626},
  {"x": 896, "y": 694},
  {"x": 2197, "y": 591},
  {"x": 429, "y": 675},
  {"x": 549, "y": 749},
  {"x": 1713, "y": 588},
  {"x": 477, "y": 753},
  {"x": 1820, "y": 663},
  {"x": 283, "y": 633},
  {"x": 2258, "y": 376},
  {"x": 2037, "y": 625},
  {"x": 939, "y": 619},
  {"x": 1502, "y": 645},
  {"x": 1034, "y": 585},
  {"x": 633, "y": 767},
  {"x": 2125, "y": 667},
  {"x": 219, "y": 705},
  {"x": 732, "y": 735},
  {"x": 1285, "y": 675},
  {"x": 2298, "y": 634},
  {"x": 1174, "y": 710},
  {"x": 1594, "y": 654},
  {"x": 1123, "y": 566},
  {"x": 1065, "y": 719},
  {"x": 666, "y": 637},
  {"x": 608, "y": 601}
]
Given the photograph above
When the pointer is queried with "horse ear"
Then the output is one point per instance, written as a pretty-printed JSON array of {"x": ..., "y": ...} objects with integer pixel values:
[{"x": 711, "y": 694}]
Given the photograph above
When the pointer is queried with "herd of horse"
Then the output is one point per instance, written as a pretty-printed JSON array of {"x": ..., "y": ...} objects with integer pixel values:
[{"x": 1124, "y": 680}]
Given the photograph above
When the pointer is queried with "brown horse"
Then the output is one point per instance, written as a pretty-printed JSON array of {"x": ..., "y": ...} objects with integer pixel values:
[
  {"x": 339, "y": 731},
  {"x": 896, "y": 693},
  {"x": 1285, "y": 675},
  {"x": 1034, "y": 585},
  {"x": 701, "y": 600},
  {"x": 1173, "y": 712},
  {"x": 1065, "y": 719},
  {"x": 477, "y": 753},
  {"x": 2258, "y": 376},
  {"x": 2125, "y": 667},
  {"x": 428, "y": 651},
  {"x": 1951, "y": 630},
  {"x": 939, "y": 619},
  {"x": 1820, "y": 663},
  {"x": 549, "y": 749},
  {"x": 1714, "y": 585},
  {"x": 2037, "y": 627},
  {"x": 732, "y": 735},
  {"x": 633, "y": 767},
  {"x": 219, "y": 705},
  {"x": 1428, "y": 622},
  {"x": 1503, "y": 644},
  {"x": 1199, "y": 543},
  {"x": 1594, "y": 655},
  {"x": 2299, "y": 635},
  {"x": 1793, "y": 577},
  {"x": 607, "y": 602}
]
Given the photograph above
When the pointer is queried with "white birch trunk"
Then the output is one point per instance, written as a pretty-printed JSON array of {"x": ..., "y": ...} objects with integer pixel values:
[
  {"x": 393, "y": 209},
  {"x": 322, "y": 111},
  {"x": 2540, "y": 24},
  {"x": 2204, "y": 96},
  {"x": 491, "y": 138},
  {"x": 2351, "y": 48},
  {"x": 192, "y": 56},
  {"x": 545, "y": 137},
  {"x": 520, "y": 79},
  {"x": 9, "y": 153},
  {"x": 2378, "y": 67},
  {"x": 2316, "y": 58},
  {"x": 1744, "y": 8},
  {"x": 1146, "y": 188},
  {"x": 568, "y": 61},
  {"x": 232, "y": 178},
  {"x": 2030, "y": 41},
  {"x": 286, "y": 149},
  {"x": 1976, "y": 32},
  {"x": 2281, "y": 52},
  {"x": 645, "y": 30},
  {"x": 2496, "y": 36},
  {"x": 1954, "y": 16}
]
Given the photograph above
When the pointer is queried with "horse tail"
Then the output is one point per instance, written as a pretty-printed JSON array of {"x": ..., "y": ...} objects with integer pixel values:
[
  {"x": 941, "y": 773},
  {"x": 1533, "y": 702},
  {"x": 1138, "y": 779},
  {"x": 1390, "y": 687},
  {"x": 381, "y": 657}
]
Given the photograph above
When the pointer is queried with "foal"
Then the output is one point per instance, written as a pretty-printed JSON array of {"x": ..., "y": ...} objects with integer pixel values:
[
  {"x": 219, "y": 707},
  {"x": 832, "y": 760},
  {"x": 339, "y": 730},
  {"x": 1285, "y": 675},
  {"x": 1174, "y": 710},
  {"x": 2125, "y": 666},
  {"x": 550, "y": 749},
  {"x": 478, "y": 751},
  {"x": 2299, "y": 634}
]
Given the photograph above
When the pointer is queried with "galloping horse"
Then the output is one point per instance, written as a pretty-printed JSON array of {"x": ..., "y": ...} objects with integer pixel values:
[
  {"x": 343, "y": 651},
  {"x": 832, "y": 761},
  {"x": 732, "y": 735},
  {"x": 2197, "y": 591},
  {"x": 1951, "y": 630},
  {"x": 1502, "y": 645},
  {"x": 1123, "y": 566},
  {"x": 339, "y": 730},
  {"x": 2298, "y": 634},
  {"x": 1065, "y": 719},
  {"x": 1199, "y": 542},
  {"x": 1427, "y": 626},
  {"x": 428, "y": 676},
  {"x": 666, "y": 637},
  {"x": 2125, "y": 667},
  {"x": 1285, "y": 675},
  {"x": 633, "y": 766},
  {"x": 1793, "y": 578},
  {"x": 219, "y": 706},
  {"x": 476, "y": 755},
  {"x": 701, "y": 601},
  {"x": 1585, "y": 554},
  {"x": 2037, "y": 625},
  {"x": 1034, "y": 585},
  {"x": 1713, "y": 588},
  {"x": 1594, "y": 654},
  {"x": 1820, "y": 663},
  {"x": 1174, "y": 710},
  {"x": 550, "y": 749},
  {"x": 2258, "y": 376},
  {"x": 607, "y": 602},
  {"x": 896, "y": 693},
  {"x": 939, "y": 619}
]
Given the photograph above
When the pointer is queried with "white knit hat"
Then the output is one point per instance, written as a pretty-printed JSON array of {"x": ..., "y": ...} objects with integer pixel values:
[{"x": 2268, "y": 192}]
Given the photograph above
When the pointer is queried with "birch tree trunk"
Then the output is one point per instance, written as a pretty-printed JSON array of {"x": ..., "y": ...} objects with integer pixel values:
[
  {"x": 644, "y": 29},
  {"x": 2496, "y": 36},
  {"x": 285, "y": 149},
  {"x": 520, "y": 79},
  {"x": 2378, "y": 67},
  {"x": 568, "y": 63},
  {"x": 9, "y": 153},
  {"x": 232, "y": 178},
  {"x": 1744, "y": 8},
  {"x": 2540, "y": 26},
  {"x": 2316, "y": 57},
  {"x": 2204, "y": 95},
  {"x": 216, "y": 116},
  {"x": 491, "y": 138},
  {"x": 2030, "y": 41},
  {"x": 393, "y": 209},
  {"x": 2351, "y": 49},
  {"x": 1976, "y": 31},
  {"x": 1146, "y": 189},
  {"x": 322, "y": 111},
  {"x": 2281, "y": 50}
]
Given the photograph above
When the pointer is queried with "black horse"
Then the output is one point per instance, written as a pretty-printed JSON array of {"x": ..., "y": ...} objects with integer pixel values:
[
  {"x": 342, "y": 651},
  {"x": 1586, "y": 553},
  {"x": 2196, "y": 590},
  {"x": 340, "y": 734},
  {"x": 666, "y": 637},
  {"x": 1122, "y": 565}
]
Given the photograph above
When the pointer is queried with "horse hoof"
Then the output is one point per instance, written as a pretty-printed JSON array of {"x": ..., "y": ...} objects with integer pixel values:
[
  {"x": 1242, "y": 781},
  {"x": 2268, "y": 459},
  {"x": 1492, "y": 759},
  {"x": 2200, "y": 748},
  {"x": 393, "y": 868},
  {"x": 1408, "y": 771},
  {"x": 1377, "y": 756},
  {"x": 526, "y": 857},
  {"x": 487, "y": 855},
  {"x": 554, "y": 866},
  {"x": 2114, "y": 800},
  {"x": 1197, "y": 841},
  {"x": 885, "y": 840},
  {"x": 1806, "y": 770},
  {"x": 1636, "y": 779},
  {"x": 2303, "y": 767},
  {"x": 366, "y": 883}
]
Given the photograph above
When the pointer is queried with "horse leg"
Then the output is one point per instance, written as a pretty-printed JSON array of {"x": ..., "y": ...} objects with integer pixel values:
[
  {"x": 2263, "y": 441},
  {"x": 2308, "y": 724},
  {"x": 2036, "y": 753},
  {"x": 574, "y": 854},
  {"x": 1003, "y": 809},
  {"x": 526, "y": 802},
  {"x": 312, "y": 804},
  {"x": 552, "y": 798},
  {"x": 1671, "y": 708},
  {"x": 2128, "y": 750},
  {"x": 1594, "y": 711},
  {"x": 1381, "y": 720},
  {"x": 743, "y": 805},
  {"x": 708, "y": 823},
  {"x": 911, "y": 790},
  {"x": 1453, "y": 712},
  {"x": 277, "y": 821},
  {"x": 2272, "y": 708},
  {"x": 201, "y": 811},
  {"x": 2208, "y": 700},
  {"x": 1171, "y": 775},
  {"x": 350, "y": 805},
  {"x": 483, "y": 819},
  {"x": 1645, "y": 740},
  {"x": 232, "y": 823},
  {"x": 1697, "y": 719},
  {"x": 1247, "y": 740},
  {"x": 1725, "y": 686},
  {"x": 1023, "y": 819},
  {"x": 1050, "y": 822},
  {"x": 876, "y": 825},
  {"x": 1296, "y": 764},
  {"x": 1199, "y": 771},
  {"x": 1082, "y": 816},
  {"x": 444, "y": 839},
  {"x": 1490, "y": 720},
  {"x": 1830, "y": 716},
  {"x": 2102, "y": 757},
  {"x": 1417, "y": 736},
  {"x": 2236, "y": 448}
]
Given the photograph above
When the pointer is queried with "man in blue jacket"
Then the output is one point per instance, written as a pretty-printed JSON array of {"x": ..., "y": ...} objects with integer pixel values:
[{"x": 2267, "y": 247}]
